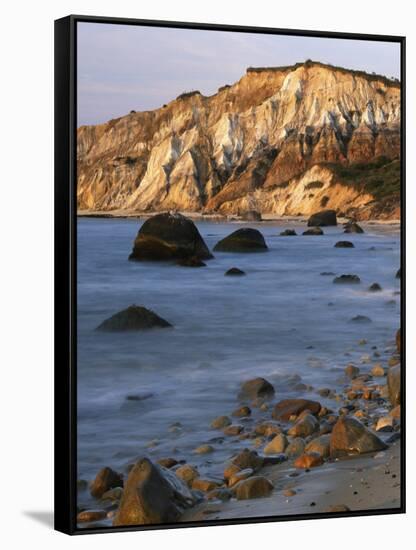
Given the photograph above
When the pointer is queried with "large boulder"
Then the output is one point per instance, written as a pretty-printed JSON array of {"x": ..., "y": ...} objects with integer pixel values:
[
  {"x": 323, "y": 218},
  {"x": 106, "y": 479},
  {"x": 133, "y": 318},
  {"x": 349, "y": 436},
  {"x": 294, "y": 407},
  {"x": 152, "y": 495},
  {"x": 169, "y": 237},
  {"x": 256, "y": 388},
  {"x": 242, "y": 240},
  {"x": 394, "y": 385}
]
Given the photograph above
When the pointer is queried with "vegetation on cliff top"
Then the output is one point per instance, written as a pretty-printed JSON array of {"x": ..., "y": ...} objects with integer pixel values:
[
  {"x": 380, "y": 178},
  {"x": 309, "y": 64}
]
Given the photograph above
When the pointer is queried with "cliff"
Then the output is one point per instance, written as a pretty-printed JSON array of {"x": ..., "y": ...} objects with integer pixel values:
[{"x": 286, "y": 140}]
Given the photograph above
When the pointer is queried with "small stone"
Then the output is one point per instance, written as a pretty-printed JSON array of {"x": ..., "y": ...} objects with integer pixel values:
[
  {"x": 308, "y": 460},
  {"x": 88, "y": 516},
  {"x": 253, "y": 487},
  {"x": 239, "y": 476},
  {"x": 268, "y": 428},
  {"x": 247, "y": 459},
  {"x": 167, "y": 462},
  {"x": 385, "y": 424},
  {"x": 362, "y": 342},
  {"x": 289, "y": 492},
  {"x": 205, "y": 485},
  {"x": 288, "y": 233},
  {"x": 319, "y": 445},
  {"x": 187, "y": 473},
  {"x": 377, "y": 370},
  {"x": 241, "y": 412},
  {"x": 233, "y": 430},
  {"x": 105, "y": 479},
  {"x": 305, "y": 426},
  {"x": 221, "y": 422},
  {"x": 351, "y": 371},
  {"x": 277, "y": 445},
  {"x": 295, "y": 447},
  {"x": 204, "y": 449}
]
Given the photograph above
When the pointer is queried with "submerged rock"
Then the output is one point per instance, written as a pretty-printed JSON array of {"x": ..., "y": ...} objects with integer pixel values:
[
  {"x": 133, "y": 318},
  {"x": 313, "y": 231},
  {"x": 253, "y": 487},
  {"x": 348, "y": 279},
  {"x": 323, "y": 218},
  {"x": 361, "y": 319},
  {"x": 256, "y": 388},
  {"x": 294, "y": 407},
  {"x": 234, "y": 272},
  {"x": 349, "y": 436},
  {"x": 169, "y": 237},
  {"x": 152, "y": 495},
  {"x": 220, "y": 422},
  {"x": 288, "y": 233},
  {"x": 241, "y": 412},
  {"x": 375, "y": 287},
  {"x": 344, "y": 244},
  {"x": 105, "y": 480},
  {"x": 398, "y": 273},
  {"x": 242, "y": 240},
  {"x": 353, "y": 227}
]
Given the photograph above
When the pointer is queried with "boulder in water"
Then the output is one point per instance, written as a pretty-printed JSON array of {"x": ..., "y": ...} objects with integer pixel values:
[
  {"x": 234, "y": 272},
  {"x": 256, "y": 388},
  {"x": 288, "y": 233},
  {"x": 347, "y": 279},
  {"x": 344, "y": 244},
  {"x": 313, "y": 231},
  {"x": 133, "y": 318},
  {"x": 169, "y": 237},
  {"x": 242, "y": 240},
  {"x": 323, "y": 218}
]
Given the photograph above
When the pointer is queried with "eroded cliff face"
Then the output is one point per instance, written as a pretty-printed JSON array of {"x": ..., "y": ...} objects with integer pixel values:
[{"x": 268, "y": 142}]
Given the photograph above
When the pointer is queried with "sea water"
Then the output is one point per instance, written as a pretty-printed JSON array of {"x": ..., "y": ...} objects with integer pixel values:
[{"x": 282, "y": 319}]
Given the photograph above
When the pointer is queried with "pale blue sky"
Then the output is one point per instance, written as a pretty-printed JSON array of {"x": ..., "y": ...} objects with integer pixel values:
[{"x": 123, "y": 67}]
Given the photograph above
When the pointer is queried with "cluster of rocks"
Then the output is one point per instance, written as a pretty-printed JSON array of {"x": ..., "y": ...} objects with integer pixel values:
[{"x": 363, "y": 418}]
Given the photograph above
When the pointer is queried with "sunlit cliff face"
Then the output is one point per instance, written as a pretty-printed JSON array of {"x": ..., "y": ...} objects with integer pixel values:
[{"x": 267, "y": 142}]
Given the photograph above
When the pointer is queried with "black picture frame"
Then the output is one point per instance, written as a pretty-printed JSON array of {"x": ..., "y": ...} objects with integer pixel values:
[{"x": 66, "y": 259}]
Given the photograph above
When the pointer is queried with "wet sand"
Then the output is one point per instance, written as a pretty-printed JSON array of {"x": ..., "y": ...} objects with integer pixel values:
[{"x": 362, "y": 483}]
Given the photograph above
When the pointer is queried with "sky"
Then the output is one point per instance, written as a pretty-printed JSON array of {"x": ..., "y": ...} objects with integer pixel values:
[{"x": 126, "y": 67}]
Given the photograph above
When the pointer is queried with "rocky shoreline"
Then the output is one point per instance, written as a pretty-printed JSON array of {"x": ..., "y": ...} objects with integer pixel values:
[
  {"x": 328, "y": 449},
  {"x": 300, "y": 456}
]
